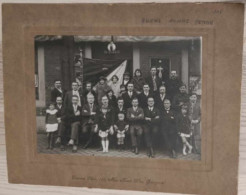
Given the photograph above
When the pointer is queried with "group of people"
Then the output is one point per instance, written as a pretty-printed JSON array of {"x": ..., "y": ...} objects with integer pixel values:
[{"x": 135, "y": 114}]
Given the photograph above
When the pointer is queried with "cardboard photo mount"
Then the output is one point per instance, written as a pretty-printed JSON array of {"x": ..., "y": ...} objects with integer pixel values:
[{"x": 220, "y": 25}]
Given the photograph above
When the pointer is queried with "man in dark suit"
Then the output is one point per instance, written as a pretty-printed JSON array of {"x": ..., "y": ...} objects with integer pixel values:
[
  {"x": 135, "y": 116},
  {"x": 154, "y": 80},
  {"x": 151, "y": 127},
  {"x": 144, "y": 95},
  {"x": 180, "y": 99},
  {"x": 173, "y": 84},
  {"x": 70, "y": 94},
  {"x": 168, "y": 127},
  {"x": 89, "y": 111},
  {"x": 129, "y": 95},
  {"x": 120, "y": 107},
  {"x": 56, "y": 91},
  {"x": 60, "y": 114},
  {"x": 88, "y": 89},
  {"x": 72, "y": 118},
  {"x": 160, "y": 97},
  {"x": 194, "y": 111}
]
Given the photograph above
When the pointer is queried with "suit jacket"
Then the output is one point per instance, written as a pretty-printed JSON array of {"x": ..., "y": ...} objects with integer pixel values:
[
  {"x": 172, "y": 86},
  {"x": 70, "y": 116},
  {"x": 178, "y": 98},
  {"x": 143, "y": 99},
  {"x": 159, "y": 103},
  {"x": 86, "y": 113},
  {"x": 168, "y": 121},
  {"x": 158, "y": 81},
  {"x": 138, "y": 115},
  {"x": 112, "y": 102},
  {"x": 60, "y": 112},
  {"x": 54, "y": 94},
  {"x": 152, "y": 114},
  {"x": 127, "y": 99},
  {"x": 68, "y": 99}
]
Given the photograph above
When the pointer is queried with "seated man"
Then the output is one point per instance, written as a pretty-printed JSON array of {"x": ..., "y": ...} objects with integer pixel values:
[
  {"x": 168, "y": 127},
  {"x": 72, "y": 118},
  {"x": 135, "y": 116},
  {"x": 151, "y": 127},
  {"x": 89, "y": 110}
]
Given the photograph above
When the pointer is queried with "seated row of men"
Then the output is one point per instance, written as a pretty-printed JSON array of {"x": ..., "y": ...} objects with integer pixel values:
[{"x": 126, "y": 120}]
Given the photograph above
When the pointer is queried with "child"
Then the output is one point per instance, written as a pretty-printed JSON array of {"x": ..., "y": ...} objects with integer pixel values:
[
  {"x": 183, "y": 127},
  {"x": 51, "y": 124},
  {"x": 104, "y": 125},
  {"x": 121, "y": 127}
]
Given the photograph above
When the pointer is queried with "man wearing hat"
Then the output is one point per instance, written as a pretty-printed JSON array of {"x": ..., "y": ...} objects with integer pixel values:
[
  {"x": 173, "y": 84},
  {"x": 101, "y": 89},
  {"x": 181, "y": 98}
]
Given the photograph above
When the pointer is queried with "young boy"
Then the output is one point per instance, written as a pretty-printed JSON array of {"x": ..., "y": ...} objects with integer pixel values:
[{"x": 121, "y": 127}]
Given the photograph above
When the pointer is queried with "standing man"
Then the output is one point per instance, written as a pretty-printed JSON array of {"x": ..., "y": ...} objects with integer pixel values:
[
  {"x": 120, "y": 107},
  {"x": 161, "y": 96},
  {"x": 173, "y": 84},
  {"x": 88, "y": 90},
  {"x": 56, "y": 91},
  {"x": 129, "y": 95},
  {"x": 180, "y": 99},
  {"x": 144, "y": 95},
  {"x": 168, "y": 128},
  {"x": 60, "y": 114},
  {"x": 70, "y": 94},
  {"x": 89, "y": 111},
  {"x": 154, "y": 80},
  {"x": 72, "y": 118},
  {"x": 126, "y": 79},
  {"x": 151, "y": 127},
  {"x": 194, "y": 112},
  {"x": 135, "y": 116}
]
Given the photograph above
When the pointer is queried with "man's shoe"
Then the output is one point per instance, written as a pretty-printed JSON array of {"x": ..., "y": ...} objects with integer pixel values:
[
  {"x": 71, "y": 142},
  {"x": 58, "y": 140},
  {"x": 75, "y": 149},
  {"x": 62, "y": 147}
]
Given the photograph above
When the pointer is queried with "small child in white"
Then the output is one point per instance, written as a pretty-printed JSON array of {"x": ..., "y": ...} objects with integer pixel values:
[
  {"x": 51, "y": 124},
  {"x": 121, "y": 127}
]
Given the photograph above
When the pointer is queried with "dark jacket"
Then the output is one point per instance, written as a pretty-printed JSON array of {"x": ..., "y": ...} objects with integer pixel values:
[
  {"x": 159, "y": 103},
  {"x": 69, "y": 116},
  {"x": 152, "y": 114},
  {"x": 168, "y": 121},
  {"x": 138, "y": 83},
  {"x": 104, "y": 122},
  {"x": 60, "y": 112},
  {"x": 158, "y": 81},
  {"x": 113, "y": 101},
  {"x": 86, "y": 113},
  {"x": 56, "y": 93},
  {"x": 143, "y": 99},
  {"x": 68, "y": 99},
  {"x": 172, "y": 86},
  {"x": 183, "y": 123},
  {"x": 139, "y": 115},
  {"x": 127, "y": 99},
  {"x": 179, "y": 98}
]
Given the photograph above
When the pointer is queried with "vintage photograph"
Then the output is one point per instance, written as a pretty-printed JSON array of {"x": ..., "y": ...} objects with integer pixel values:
[{"x": 119, "y": 96}]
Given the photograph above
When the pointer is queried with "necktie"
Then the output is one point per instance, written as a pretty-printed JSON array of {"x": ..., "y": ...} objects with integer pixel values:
[{"x": 154, "y": 84}]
